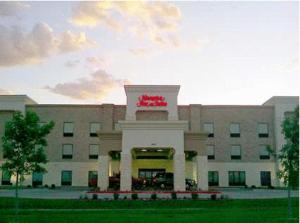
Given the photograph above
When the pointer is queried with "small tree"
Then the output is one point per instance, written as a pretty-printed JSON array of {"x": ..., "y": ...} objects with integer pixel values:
[
  {"x": 23, "y": 146},
  {"x": 289, "y": 154}
]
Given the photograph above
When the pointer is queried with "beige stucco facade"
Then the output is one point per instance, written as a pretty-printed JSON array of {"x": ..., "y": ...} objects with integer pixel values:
[{"x": 164, "y": 125}]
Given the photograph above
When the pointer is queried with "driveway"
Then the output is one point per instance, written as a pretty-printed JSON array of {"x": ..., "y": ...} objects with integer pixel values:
[{"x": 233, "y": 193}]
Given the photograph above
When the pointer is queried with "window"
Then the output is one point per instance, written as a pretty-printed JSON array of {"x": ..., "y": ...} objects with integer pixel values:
[
  {"x": 93, "y": 179},
  {"x": 67, "y": 151},
  {"x": 264, "y": 153},
  {"x": 235, "y": 130},
  {"x": 94, "y": 151},
  {"x": 265, "y": 178},
  {"x": 210, "y": 149},
  {"x": 37, "y": 179},
  {"x": 236, "y": 152},
  {"x": 237, "y": 178},
  {"x": 209, "y": 128},
  {"x": 66, "y": 178},
  {"x": 263, "y": 130},
  {"x": 213, "y": 178},
  {"x": 94, "y": 128},
  {"x": 6, "y": 176},
  {"x": 68, "y": 129},
  {"x": 117, "y": 127}
]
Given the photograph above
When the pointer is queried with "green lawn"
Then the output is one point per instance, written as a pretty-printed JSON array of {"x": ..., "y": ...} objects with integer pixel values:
[{"x": 174, "y": 211}]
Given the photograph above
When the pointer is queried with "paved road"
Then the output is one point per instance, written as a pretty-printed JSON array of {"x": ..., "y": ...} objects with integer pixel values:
[{"x": 233, "y": 193}]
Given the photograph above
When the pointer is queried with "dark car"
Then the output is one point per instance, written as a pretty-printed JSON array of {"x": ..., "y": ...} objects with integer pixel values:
[{"x": 166, "y": 181}]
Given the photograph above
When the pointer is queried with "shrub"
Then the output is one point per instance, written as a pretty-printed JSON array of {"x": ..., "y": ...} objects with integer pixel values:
[
  {"x": 95, "y": 196},
  {"x": 271, "y": 187},
  {"x": 134, "y": 196},
  {"x": 213, "y": 196},
  {"x": 52, "y": 186},
  {"x": 46, "y": 185},
  {"x": 125, "y": 198},
  {"x": 195, "y": 196},
  {"x": 116, "y": 196},
  {"x": 253, "y": 186},
  {"x": 246, "y": 186},
  {"x": 224, "y": 197},
  {"x": 28, "y": 186},
  {"x": 174, "y": 195},
  {"x": 153, "y": 196}
]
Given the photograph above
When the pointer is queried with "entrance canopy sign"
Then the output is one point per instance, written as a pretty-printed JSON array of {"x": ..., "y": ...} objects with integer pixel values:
[{"x": 151, "y": 101}]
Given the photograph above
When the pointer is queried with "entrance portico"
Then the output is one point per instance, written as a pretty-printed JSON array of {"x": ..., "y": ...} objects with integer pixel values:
[{"x": 151, "y": 122}]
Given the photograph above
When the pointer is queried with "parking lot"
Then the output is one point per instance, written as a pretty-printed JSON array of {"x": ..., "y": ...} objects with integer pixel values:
[{"x": 73, "y": 193}]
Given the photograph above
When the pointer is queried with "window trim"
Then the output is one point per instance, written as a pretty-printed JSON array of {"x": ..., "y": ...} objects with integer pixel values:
[
  {"x": 94, "y": 134},
  {"x": 236, "y": 157},
  {"x": 213, "y": 183},
  {"x": 67, "y": 156},
  {"x": 65, "y": 183},
  {"x": 211, "y": 157},
  {"x": 68, "y": 134},
  {"x": 210, "y": 135},
  {"x": 93, "y": 156},
  {"x": 238, "y": 183},
  {"x": 263, "y": 135},
  {"x": 235, "y": 134}
]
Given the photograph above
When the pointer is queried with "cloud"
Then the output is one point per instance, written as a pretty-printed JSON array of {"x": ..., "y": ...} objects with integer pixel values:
[
  {"x": 18, "y": 47},
  {"x": 140, "y": 51},
  {"x": 154, "y": 21},
  {"x": 97, "y": 86},
  {"x": 11, "y": 8},
  {"x": 96, "y": 62},
  {"x": 4, "y": 92},
  {"x": 72, "y": 63}
]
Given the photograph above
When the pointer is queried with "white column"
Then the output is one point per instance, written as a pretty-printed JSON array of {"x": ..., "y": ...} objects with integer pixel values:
[
  {"x": 202, "y": 172},
  {"x": 179, "y": 172},
  {"x": 125, "y": 168},
  {"x": 103, "y": 167}
]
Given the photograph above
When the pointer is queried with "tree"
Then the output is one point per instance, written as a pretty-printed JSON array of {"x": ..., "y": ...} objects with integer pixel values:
[
  {"x": 23, "y": 146},
  {"x": 289, "y": 154}
]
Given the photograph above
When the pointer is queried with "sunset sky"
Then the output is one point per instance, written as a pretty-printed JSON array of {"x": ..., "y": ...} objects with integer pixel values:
[{"x": 84, "y": 52}]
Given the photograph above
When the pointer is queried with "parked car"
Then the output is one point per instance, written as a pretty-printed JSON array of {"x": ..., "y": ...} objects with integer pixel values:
[{"x": 166, "y": 181}]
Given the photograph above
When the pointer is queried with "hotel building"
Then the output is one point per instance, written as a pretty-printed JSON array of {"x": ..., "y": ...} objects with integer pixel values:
[{"x": 216, "y": 145}]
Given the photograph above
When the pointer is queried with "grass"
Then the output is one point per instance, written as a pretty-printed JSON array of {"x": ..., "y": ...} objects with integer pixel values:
[{"x": 161, "y": 211}]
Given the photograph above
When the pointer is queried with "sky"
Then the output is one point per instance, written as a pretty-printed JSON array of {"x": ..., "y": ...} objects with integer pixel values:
[{"x": 84, "y": 52}]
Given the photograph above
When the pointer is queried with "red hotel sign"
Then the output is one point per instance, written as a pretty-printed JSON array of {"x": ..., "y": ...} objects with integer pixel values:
[{"x": 151, "y": 101}]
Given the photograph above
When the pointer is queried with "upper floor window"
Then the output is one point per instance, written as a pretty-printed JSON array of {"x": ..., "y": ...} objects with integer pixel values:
[
  {"x": 93, "y": 151},
  {"x": 264, "y": 153},
  {"x": 236, "y": 153},
  {"x": 209, "y": 128},
  {"x": 210, "y": 149},
  {"x": 235, "y": 130},
  {"x": 67, "y": 151},
  {"x": 263, "y": 130},
  {"x": 68, "y": 129},
  {"x": 94, "y": 128}
]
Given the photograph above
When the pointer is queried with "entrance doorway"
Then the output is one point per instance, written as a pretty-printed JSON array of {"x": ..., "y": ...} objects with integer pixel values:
[{"x": 149, "y": 165}]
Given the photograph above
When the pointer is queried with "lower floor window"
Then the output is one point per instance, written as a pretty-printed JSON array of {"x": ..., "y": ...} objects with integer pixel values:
[
  {"x": 213, "y": 178},
  {"x": 6, "y": 178},
  {"x": 66, "y": 177},
  {"x": 93, "y": 179},
  {"x": 37, "y": 179},
  {"x": 237, "y": 178},
  {"x": 265, "y": 178}
]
